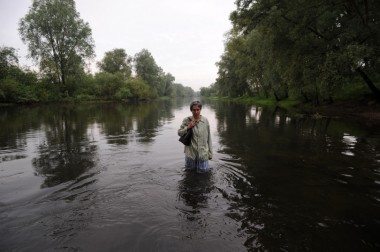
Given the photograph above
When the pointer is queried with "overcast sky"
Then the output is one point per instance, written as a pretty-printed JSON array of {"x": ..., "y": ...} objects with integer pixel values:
[{"x": 185, "y": 38}]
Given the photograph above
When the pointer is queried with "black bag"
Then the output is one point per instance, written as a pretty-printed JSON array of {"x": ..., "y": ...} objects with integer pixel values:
[{"x": 186, "y": 138}]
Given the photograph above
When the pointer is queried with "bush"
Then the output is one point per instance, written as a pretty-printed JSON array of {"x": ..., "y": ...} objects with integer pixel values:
[
  {"x": 140, "y": 90},
  {"x": 8, "y": 90},
  {"x": 107, "y": 84}
]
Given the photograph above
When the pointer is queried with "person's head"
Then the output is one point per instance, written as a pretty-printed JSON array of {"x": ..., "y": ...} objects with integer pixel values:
[
  {"x": 195, "y": 103},
  {"x": 195, "y": 108}
]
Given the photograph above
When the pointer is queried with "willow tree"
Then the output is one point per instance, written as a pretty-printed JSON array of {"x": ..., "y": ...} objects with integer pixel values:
[
  {"x": 116, "y": 61},
  {"x": 147, "y": 68},
  {"x": 8, "y": 59},
  {"x": 313, "y": 47},
  {"x": 57, "y": 38}
]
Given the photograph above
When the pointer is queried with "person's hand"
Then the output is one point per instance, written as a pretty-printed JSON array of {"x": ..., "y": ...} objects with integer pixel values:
[{"x": 192, "y": 124}]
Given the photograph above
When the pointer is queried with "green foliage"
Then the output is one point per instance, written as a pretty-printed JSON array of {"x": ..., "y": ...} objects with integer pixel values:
[
  {"x": 16, "y": 85},
  {"x": 8, "y": 60},
  {"x": 24, "y": 86},
  {"x": 140, "y": 90},
  {"x": 8, "y": 90},
  {"x": 123, "y": 93},
  {"x": 353, "y": 91},
  {"x": 114, "y": 86},
  {"x": 116, "y": 61},
  {"x": 57, "y": 38},
  {"x": 48, "y": 92},
  {"x": 166, "y": 82},
  {"x": 306, "y": 49},
  {"x": 82, "y": 86},
  {"x": 209, "y": 91},
  {"x": 108, "y": 85},
  {"x": 60, "y": 42},
  {"x": 146, "y": 68},
  {"x": 181, "y": 91},
  {"x": 13, "y": 91}
]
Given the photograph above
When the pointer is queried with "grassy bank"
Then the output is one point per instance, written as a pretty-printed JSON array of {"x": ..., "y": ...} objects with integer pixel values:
[{"x": 355, "y": 102}]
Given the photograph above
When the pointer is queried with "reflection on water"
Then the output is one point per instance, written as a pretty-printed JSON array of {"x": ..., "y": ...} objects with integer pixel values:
[
  {"x": 110, "y": 177},
  {"x": 350, "y": 142},
  {"x": 311, "y": 180},
  {"x": 194, "y": 191}
]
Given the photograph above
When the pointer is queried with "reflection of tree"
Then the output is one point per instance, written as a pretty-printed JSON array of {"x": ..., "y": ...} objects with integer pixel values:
[
  {"x": 246, "y": 129},
  {"x": 292, "y": 170},
  {"x": 67, "y": 153},
  {"x": 15, "y": 121},
  {"x": 142, "y": 119},
  {"x": 265, "y": 142}
]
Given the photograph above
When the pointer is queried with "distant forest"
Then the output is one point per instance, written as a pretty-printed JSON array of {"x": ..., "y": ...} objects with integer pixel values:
[
  {"x": 61, "y": 44},
  {"x": 312, "y": 51}
]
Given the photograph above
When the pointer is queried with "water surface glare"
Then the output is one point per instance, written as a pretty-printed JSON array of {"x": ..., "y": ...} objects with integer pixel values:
[{"x": 110, "y": 177}]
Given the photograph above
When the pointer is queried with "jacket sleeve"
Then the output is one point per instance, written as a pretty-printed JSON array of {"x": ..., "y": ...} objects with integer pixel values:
[
  {"x": 209, "y": 141},
  {"x": 182, "y": 130}
]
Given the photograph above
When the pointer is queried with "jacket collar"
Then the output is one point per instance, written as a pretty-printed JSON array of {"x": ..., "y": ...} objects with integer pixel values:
[{"x": 200, "y": 120}]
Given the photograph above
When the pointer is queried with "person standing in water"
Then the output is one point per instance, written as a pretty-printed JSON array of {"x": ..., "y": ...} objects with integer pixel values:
[{"x": 199, "y": 151}]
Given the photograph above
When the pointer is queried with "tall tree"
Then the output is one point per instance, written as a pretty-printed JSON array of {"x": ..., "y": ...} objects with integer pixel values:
[
  {"x": 8, "y": 58},
  {"x": 146, "y": 68},
  {"x": 234, "y": 68},
  {"x": 310, "y": 47},
  {"x": 167, "y": 81},
  {"x": 58, "y": 39},
  {"x": 116, "y": 61}
]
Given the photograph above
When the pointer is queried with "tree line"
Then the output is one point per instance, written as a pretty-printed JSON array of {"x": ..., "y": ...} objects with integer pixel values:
[
  {"x": 61, "y": 44},
  {"x": 312, "y": 50}
]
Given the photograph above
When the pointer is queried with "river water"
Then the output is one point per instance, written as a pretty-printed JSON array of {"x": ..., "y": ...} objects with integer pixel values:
[{"x": 110, "y": 177}]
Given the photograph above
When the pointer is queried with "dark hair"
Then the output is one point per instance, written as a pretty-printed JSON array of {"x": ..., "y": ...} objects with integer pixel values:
[{"x": 195, "y": 103}]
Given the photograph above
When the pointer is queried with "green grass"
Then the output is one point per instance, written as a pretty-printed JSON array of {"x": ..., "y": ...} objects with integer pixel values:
[
  {"x": 288, "y": 103},
  {"x": 255, "y": 100},
  {"x": 7, "y": 104},
  {"x": 353, "y": 91}
]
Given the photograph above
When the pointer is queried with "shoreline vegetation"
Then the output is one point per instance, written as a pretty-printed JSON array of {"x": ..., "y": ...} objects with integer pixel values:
[
  {"x": 346, "y": 107},
  {"x": 321, "y": 58},
  {"x": 366, "y": 109},
  {"x": 315, "y": 59}
]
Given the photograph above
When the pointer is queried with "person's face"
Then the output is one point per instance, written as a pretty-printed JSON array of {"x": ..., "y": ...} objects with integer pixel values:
[{"x": 196, "y": 111}]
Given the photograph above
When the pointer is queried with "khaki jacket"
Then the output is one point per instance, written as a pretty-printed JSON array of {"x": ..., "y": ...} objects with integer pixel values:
[{"x": 201, "y": 143}]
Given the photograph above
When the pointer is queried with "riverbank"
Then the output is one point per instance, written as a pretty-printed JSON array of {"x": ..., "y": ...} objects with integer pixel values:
[
  {"x": 366, "y": 109},
  {"x": 369, "y": 110}
]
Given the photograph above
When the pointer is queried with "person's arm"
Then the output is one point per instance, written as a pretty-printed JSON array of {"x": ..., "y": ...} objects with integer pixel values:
[
  {"x": 182, "y": 130},
  {"x": 209, "y": 142}
]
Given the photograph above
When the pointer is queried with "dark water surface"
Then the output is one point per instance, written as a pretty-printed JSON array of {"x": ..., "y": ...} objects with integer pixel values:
[{"x": 110, "y": 177}]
